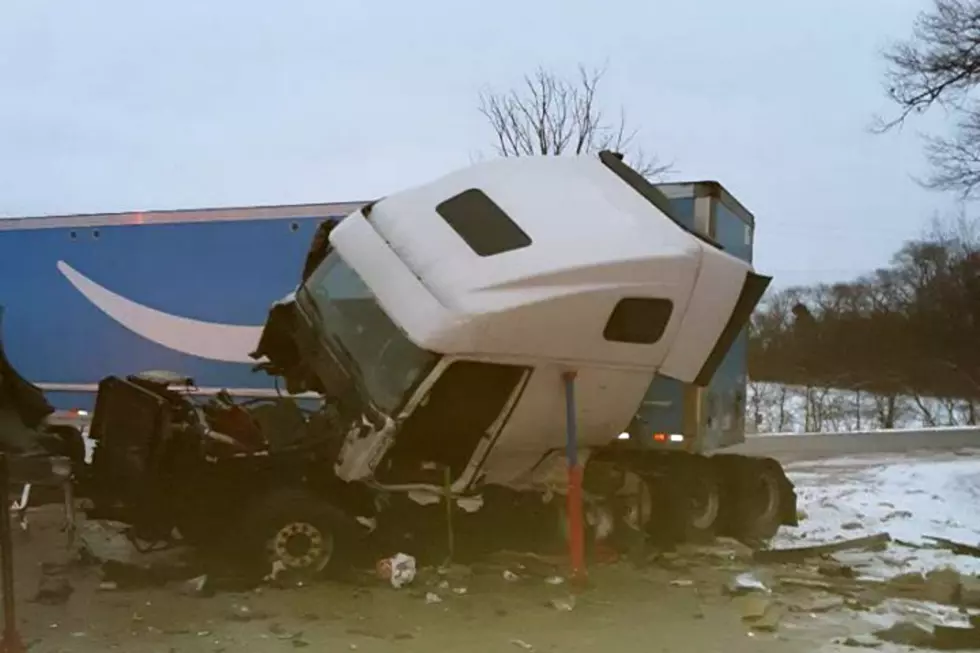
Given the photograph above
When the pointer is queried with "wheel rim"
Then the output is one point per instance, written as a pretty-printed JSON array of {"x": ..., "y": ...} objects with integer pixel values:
[
  {"x": 302, "y": 546},
  {"x": 704, "y": 506}
]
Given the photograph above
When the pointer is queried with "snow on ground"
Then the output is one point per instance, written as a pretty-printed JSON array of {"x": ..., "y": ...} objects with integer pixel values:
[{"x": 907, "y": 497}]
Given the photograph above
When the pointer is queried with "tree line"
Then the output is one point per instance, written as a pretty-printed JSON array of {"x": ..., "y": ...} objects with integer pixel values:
[{"x": 910, "y": 329}]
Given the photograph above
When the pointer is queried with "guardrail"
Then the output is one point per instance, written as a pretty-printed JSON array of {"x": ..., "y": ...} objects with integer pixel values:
[
  {"x": 801, "y": 446},
  {"x": 924, "y": 429}
]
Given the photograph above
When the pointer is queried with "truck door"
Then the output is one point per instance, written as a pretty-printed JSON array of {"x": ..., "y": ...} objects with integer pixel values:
[{"x": 466, "y": 405}]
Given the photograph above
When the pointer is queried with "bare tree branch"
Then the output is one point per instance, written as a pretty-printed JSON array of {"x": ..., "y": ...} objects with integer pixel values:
[
  {"x": 552, "y": 115},
  {"x": 956, "y": 161},
  {"x": 940, "y": 65}
]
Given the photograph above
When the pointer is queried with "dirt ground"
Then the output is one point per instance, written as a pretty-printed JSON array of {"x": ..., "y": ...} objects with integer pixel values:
[
  {"x": 680, "y": 602},
  {"x": 625, "y": 610}
]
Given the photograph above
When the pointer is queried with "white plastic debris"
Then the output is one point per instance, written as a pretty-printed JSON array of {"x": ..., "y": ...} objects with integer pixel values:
[
  {"x": 432, "y": 597},
  {"x": 369, "y": 523},
  {"x": 604, "y": 523},
  {"x": 399, "y": 570},
  {"x": 510, "y": 576},
  {"x": 278, "y": 567},
  {"x": 563, "y": 605},
  {"x": 747, "y": 582}
]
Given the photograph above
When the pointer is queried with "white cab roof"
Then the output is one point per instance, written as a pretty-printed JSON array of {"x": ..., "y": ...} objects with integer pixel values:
[{"x": 593, "y": 242}]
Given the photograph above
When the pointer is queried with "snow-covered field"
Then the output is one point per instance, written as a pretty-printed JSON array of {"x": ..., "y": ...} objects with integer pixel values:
[{"x": 907, "y": 497}]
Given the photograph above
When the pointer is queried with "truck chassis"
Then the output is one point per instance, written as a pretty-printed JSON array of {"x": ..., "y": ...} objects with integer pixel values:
[{"x": 253, "y": 484}]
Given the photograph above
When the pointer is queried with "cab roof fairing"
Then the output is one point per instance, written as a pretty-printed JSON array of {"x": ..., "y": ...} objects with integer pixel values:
[{"x": 594, "y": 241}]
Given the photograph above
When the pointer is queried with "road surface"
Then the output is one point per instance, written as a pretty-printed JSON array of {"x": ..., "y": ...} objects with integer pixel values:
[{"x": 676, "y": 604}]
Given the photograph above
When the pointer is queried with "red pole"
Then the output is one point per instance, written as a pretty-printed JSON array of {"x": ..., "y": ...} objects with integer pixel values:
[{"x": 576, "y": 527}]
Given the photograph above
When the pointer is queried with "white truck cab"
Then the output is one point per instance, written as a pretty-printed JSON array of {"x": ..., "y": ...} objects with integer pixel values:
[{"x": 441, "y": 319}]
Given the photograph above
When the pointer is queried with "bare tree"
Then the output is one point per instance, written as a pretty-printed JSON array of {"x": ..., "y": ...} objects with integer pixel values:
[
  {"x": 889, "y": 410},
  {"x": 940, "y": 65},
  {"x": 553, "y": 115}
]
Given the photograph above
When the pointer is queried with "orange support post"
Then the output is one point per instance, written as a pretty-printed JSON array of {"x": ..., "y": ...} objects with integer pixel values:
[{"x": 576, "y": 526}]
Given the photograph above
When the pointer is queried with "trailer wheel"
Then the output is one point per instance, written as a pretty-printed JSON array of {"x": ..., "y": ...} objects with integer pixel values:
[
  {"x": 298, "y": 533},
  {"x": 703, "y": 501},
  {"x": 685, "y": 501},
  {"x": 756, "y": 499}
]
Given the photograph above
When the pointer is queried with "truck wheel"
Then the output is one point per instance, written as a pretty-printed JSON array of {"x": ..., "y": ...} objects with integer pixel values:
[
  {"x": 685, "y": 501},
  {"x": 298, "y": 533},
  {"x": 703, "y": 501},
  {"x": 756, "y": 499}
]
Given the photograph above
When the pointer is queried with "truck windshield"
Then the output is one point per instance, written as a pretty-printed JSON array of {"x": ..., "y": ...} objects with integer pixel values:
[{"x": 386, "y": 362}]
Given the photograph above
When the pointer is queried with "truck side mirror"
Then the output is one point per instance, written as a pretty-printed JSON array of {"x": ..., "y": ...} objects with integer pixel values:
[{"x": 319, "y": 248}]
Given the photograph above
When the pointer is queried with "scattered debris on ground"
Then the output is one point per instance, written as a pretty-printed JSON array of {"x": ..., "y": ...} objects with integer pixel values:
[
  {"x": 832, "y": 588},
  {"x": 906, "y": 633},
  {"x": 764, "y": 586},
  {"x": 399, "y": 570},
  {"x": 876, "y": 542},
  {"x": 124, "y": 565},
  {"x": 956, "y": 547},
  {"x": 53, "y": 589}
]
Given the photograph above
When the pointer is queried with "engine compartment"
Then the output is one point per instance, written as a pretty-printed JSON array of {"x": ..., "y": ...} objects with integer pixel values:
[{"x": 165, "y": 459}]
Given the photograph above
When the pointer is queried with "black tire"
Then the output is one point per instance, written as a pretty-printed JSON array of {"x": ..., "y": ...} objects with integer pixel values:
[
  {"x": 701, "y": 498},
  {"x": 754, "y": 489},
  {"x": 305, "y": 533},
  {"x": 685, "y": 500}
]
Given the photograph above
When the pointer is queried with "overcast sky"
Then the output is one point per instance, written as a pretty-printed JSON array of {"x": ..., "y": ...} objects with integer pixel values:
[{"x": 112, "y": 105}]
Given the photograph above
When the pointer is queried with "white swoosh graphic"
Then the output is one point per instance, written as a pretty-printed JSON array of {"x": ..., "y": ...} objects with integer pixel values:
[{"x": 229, "y": 343}]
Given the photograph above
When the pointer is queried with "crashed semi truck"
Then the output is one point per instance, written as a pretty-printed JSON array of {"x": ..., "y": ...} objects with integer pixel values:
[{"x": 421, "y": 341}]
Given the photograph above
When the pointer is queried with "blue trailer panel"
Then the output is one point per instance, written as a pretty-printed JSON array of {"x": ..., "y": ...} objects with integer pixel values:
[
  {"x": 218, "y": 272},
  {"x": 714, "y": 417}
]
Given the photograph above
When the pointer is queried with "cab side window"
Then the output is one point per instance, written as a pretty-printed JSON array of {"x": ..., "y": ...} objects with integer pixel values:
[{"x": 638, "y": 320}]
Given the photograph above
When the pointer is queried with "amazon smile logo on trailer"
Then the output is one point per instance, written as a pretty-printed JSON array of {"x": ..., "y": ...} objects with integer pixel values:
[{"x": 229, "y": 343}]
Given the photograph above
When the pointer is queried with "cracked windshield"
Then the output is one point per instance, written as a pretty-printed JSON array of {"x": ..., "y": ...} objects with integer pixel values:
[
  {"x": 530, "y": 327},
  {"x": 376, "y": 350}
]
